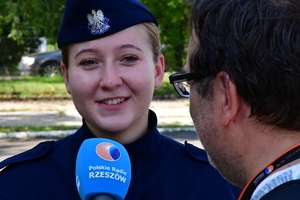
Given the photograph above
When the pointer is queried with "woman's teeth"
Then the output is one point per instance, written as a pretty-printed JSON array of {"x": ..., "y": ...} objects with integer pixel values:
[{"x": 114, "y": 101}]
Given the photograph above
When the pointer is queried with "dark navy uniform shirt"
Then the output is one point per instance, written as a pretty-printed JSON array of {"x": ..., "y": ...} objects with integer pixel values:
[{"x": 161, "y": 169}]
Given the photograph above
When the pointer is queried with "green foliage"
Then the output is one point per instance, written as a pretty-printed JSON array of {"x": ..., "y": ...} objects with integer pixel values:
[
  {"x": 41, "y": 87},
  {"x": 33, "y": 87},
  {"x": 31, "y": 18},
  {"x": 11, "y": 55},
  {"x": 172, "y": 17},
  {"x": 20, "y": 20},
  {"x": 22, "y": 23}
]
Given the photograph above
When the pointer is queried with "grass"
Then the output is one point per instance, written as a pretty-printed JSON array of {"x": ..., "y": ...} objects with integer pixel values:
[
  {"x": 37, "y": 87},
  {"x": 33, "y": 87},
  {"x": 8, "y": 129}
]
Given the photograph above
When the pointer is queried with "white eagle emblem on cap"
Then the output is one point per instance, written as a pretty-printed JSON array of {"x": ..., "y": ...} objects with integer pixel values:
[{"x": 97, "y": 22}]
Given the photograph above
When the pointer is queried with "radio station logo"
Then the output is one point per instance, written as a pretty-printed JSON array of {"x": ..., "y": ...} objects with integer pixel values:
[
  {"x": 269, "y": 169},
  {"x": 108, "y": 151}
]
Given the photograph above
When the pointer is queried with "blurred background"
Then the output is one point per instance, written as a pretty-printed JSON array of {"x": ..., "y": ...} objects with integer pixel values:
[
  {"x": 32, "y": 91},
  {"x": 31, "y": 26}
]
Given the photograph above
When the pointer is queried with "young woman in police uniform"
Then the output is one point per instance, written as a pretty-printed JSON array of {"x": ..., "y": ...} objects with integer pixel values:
[{"x": 111, "y": 63}]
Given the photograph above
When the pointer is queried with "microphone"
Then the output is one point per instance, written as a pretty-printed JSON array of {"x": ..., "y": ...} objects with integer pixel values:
[{"x": 103, "y": 170}]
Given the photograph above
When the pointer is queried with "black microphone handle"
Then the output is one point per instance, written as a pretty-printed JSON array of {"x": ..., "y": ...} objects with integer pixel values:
[{"x": 103, "y": 197}]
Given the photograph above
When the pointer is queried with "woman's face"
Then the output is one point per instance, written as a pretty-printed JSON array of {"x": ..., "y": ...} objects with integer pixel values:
[{"x": 111, "y": 81}]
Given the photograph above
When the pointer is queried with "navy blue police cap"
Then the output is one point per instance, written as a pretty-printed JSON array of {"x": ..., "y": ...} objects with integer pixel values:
[{"x": 86, "y": 20}]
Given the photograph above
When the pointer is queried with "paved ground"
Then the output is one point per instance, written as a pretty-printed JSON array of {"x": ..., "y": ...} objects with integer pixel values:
[
  {"x": 31, "y": 113},
  {"x": 15, "y": 113}
]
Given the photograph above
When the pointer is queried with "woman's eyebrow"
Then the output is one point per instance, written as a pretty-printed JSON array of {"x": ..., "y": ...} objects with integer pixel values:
[
  {"x": 86, "y": 51},
  {"x": 92, "y": 50},
  {"x": 124, "y": 46}
]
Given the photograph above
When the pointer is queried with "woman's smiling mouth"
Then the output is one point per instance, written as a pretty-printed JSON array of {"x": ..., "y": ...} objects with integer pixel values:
[{"x": 114, "y": 101}]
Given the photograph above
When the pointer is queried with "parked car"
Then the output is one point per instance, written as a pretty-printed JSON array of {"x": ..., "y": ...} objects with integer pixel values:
[{"x": 44, "y": 64}]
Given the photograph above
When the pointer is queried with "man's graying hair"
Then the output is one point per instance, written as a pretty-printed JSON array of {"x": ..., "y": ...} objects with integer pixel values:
[{"x": 257, "y": 42}]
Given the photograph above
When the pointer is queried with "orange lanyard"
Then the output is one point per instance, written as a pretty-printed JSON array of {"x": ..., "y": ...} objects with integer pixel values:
[{"x": 288, "y": 156}]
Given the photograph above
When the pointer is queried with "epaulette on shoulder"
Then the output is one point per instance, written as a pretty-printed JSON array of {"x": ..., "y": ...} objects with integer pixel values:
[
  {"x": 36, "y": 152},
  {"x": 196, "y": 153}
]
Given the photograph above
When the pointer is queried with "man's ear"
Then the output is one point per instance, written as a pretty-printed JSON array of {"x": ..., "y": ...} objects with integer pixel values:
[
  {"x": 64, "y": 72},
  {"x": 159, "y": 71},
  {"x": 228, "y": 97}
]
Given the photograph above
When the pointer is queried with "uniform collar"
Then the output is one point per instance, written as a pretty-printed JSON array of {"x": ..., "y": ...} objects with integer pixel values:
[{"x": 146, "y": 145}]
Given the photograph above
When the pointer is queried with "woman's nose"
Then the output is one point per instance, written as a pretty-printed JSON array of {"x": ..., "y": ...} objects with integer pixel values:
[{"x": 110, "y": 78}]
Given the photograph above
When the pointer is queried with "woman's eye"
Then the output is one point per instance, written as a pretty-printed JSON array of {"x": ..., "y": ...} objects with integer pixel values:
[
  {"x": 129, "y": 58},
  {"x": 88, "y": 62}
]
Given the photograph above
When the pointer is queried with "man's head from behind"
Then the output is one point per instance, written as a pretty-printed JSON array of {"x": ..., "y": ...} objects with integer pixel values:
[
  {"x": 248, "y": 52},
  {"x": 257, "y": 43}
]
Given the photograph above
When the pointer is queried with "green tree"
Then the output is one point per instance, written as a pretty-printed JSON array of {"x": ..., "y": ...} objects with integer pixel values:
[
  {"x": 172, "y": 17},
  {"x": 23, "y": 19},
  {"x": 22, "y": 22},
  {"x": 31, "y": 18}
]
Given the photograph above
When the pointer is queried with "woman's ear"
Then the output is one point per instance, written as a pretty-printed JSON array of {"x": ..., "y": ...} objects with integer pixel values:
[
  {"x": 159, "y": 71},
  {"x": 64, "y": 71}
]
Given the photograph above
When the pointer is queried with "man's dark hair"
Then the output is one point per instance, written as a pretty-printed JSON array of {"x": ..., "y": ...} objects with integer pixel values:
[{"x": 257, "y": 42}]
